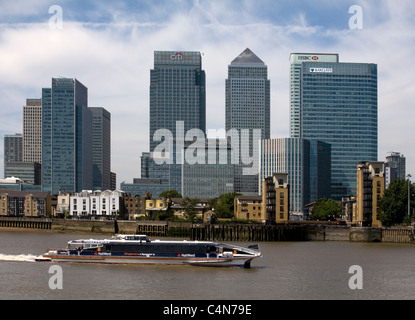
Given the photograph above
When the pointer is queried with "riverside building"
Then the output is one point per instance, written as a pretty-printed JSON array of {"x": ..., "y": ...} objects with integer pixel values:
[{"x": 336, "y": 103}]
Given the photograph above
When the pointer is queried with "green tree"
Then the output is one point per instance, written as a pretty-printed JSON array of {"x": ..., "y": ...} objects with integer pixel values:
[
  {"x": 189, "y": 207},
  {"x": 169, "y": 194},
  {"x": 224, "y": 205},
  {"x": 326, "y": 209},
  {"x": 393, "y": 206}
]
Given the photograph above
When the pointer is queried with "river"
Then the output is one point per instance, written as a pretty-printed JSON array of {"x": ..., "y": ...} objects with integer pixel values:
[{"x": 312, "y": 270}]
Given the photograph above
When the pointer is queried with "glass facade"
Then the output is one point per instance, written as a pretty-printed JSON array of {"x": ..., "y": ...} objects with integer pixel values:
[
  {"x": 248, "y": 107},
  {"x": 307, "y": 164},
  {"x": 66, "y": 137},
  {"x": 177, "y": 92},
  {"x": 212, "y": 178},
  {"x": 339, "y": 107},
  {"x": 101, "y": 148}
]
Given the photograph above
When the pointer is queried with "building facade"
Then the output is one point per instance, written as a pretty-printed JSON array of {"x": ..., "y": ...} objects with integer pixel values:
[
  {"x": 395, "y": 167},
  {"x": 213, "y": 175},
  {"x": 96, "y": 204},
  {"x": 29, "y": 172},
  {"x": 66, "y": 137},
  {"x": 101, "y": 148},
  {"x": 177, "y": 93},
  {"x": 13, "y": 149},
  {"x": 25, "y": 204},
  {"x": 336, "y": 103},
  {"x": 296, "y": 63},
  {"x": 32, "y": 131},
  {"x": 370, "y": 188},
  {"x": 249, "y": 208},
  {"x": 248, "y": 108},
  {"x": 276, "y": 198},
  {"x": 307, "y": 164},
  {"x": 134, "y": 206}
]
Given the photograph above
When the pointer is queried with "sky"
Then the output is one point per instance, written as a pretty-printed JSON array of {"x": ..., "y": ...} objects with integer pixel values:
[{"x": 109, "y": 46}]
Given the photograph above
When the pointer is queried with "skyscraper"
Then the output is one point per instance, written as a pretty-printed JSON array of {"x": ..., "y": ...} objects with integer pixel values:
[
  {"x": 32, "y": 131},
  {"x": 336, "y": 103},
  {"x": 12, "y": 149},
  {"x": 177, "y": 93},
  {"x": 101, "y": 148},
  {"x": 397, "y": 161},
  {"x": 248, "y": 107},
  {"x": 66, "y": 137},
  {"x": 296, "y": 61},
  {"x": 177, "y": 105}
]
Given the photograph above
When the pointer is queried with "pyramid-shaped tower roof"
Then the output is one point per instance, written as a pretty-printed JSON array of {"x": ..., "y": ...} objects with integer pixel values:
[{"x": 247, "y": 58}]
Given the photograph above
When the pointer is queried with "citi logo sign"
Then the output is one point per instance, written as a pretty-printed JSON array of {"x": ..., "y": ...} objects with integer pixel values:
[{"x": 178, "y": 56}]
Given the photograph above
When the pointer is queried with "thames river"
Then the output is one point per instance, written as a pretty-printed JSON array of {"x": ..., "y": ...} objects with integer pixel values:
[{"x": 288, "y": 270}]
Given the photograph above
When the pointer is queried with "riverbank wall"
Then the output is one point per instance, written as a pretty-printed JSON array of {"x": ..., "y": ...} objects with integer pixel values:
[{"x": 217, "y": 232}]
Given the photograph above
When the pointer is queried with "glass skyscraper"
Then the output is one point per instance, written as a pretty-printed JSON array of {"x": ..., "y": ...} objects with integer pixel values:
[
  {"x": 248, "y": 107},
  {"x": 101, "y": 148},
  {"x": 177, "y": 93},
  {"x": 177, "y": 105},
  {"x": 337, "y": 104},
  {"x": 66, "y": 137}
]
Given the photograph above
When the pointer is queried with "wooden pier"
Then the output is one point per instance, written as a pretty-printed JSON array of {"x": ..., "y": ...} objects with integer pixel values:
[{"x": 248, "y": 232}]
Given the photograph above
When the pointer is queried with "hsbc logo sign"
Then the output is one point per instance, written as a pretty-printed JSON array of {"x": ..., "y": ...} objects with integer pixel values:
[
  {"x": 308, "y": 58},
  {"x": 178, "y": 56}
]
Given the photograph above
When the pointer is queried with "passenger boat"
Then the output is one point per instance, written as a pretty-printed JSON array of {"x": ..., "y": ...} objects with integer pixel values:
[{"x": 140, "y": 249}]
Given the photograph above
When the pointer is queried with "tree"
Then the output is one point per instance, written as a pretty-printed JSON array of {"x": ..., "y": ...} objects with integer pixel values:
[
  {"x": 169, "y": 194},
  {"x": 326, "y": 209},
  {"x": 224, "y": 205},
  {"x": 189, "y": 207},
  {"x": 393, "y": 206}
]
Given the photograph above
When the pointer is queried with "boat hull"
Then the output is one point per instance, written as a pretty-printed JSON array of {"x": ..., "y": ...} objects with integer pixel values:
[{"x": 211, "y": 262}]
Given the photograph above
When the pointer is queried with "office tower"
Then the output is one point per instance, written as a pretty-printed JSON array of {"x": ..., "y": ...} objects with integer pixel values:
[
  {"x": 66, "y": 137},
  {"x": 248, "y": 108},
  {"x": 336, "y": 103},
  {"x": 396, "y": 167},
  {"x": 177, "y": 105},
  {"x": 12, "y": 149},
  {"x": 101, "y": 148},
  {"x": 32, "y": 131},
  {"x": 296, "y": 63},
  {"x": 177, "y": 93},
  {"x": 307, "y": 164}
]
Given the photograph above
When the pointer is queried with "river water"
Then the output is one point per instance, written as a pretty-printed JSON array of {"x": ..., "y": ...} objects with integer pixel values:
[{"x": 288, "y": 270}]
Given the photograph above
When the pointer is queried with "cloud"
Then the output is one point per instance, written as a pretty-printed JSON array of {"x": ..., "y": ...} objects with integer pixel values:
[{"x": 109, "y": 48}]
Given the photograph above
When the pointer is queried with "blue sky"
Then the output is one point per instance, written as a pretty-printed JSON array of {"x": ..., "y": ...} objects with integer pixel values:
[{"x": 109, "y": 45}]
